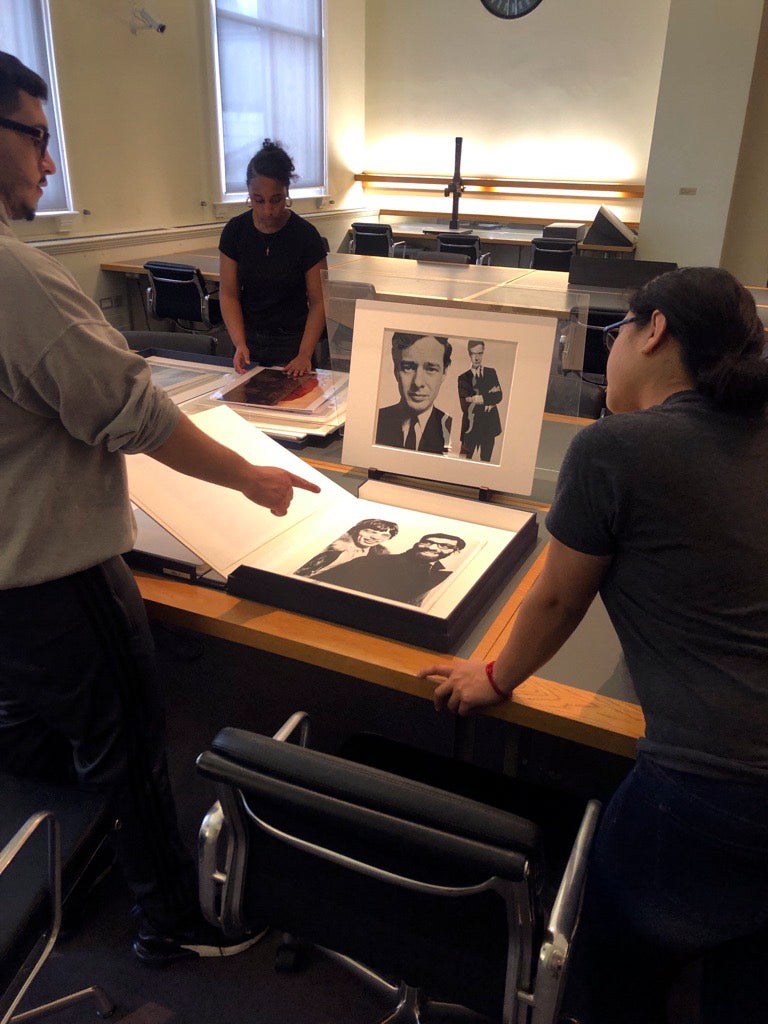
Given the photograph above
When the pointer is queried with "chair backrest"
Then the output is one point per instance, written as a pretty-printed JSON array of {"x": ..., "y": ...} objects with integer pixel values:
[
  {"x": 371, "y": 239},
  {"x": 177, "y": 291},
  {"x": 461, "y": 258},
  {"x": 416, "y": 882},
  {"x": 551, "y": 254},
  {"x": 571, "y": 395},
  {"x": 176, "y": 341},
  {"x": 469, "y": 245}
]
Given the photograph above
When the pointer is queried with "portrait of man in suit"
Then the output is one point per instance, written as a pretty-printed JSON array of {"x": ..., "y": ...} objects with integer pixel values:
[
  {"x": 479, "y": 395},
  {"x": 407, "y": 577},
  {"x": 415, "y": 422}
]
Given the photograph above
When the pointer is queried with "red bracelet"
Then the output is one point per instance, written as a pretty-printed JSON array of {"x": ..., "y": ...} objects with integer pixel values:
[{"x": 492, "y": 681}]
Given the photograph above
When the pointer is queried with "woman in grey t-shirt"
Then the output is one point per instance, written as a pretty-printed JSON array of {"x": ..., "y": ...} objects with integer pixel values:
[{"x": 661, "y": 508}]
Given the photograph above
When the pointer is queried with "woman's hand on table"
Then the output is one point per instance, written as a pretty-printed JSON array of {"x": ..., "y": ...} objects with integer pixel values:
[
  {"x": 298, "y": 366},
  {"x": 463, "y": 687},
  {"x": 242, "y": 360}
]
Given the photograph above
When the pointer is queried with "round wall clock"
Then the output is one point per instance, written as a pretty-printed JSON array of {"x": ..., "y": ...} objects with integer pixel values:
[{"x": 510, "y": 8}]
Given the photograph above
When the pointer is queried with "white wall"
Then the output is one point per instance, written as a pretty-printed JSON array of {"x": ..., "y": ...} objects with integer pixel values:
[
  {"x": 139, "y": 120},
  {"x": 705, "y": 85},
  {"x": 567, "y": 92},
  {"x": 139, "y": 126},
  {"x": 745, "y": 251}
]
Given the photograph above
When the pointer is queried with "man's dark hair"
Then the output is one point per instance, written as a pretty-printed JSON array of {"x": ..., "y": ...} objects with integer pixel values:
[
  {"x": 475, "y": 343},
  {"x": 460, "y": 542},
  {"x": 403, "y": 339},
  {"x": 15, "y": 77}
]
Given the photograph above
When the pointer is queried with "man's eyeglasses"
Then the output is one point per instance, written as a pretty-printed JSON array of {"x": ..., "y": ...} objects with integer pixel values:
[
  {"x": 611, "y": 332},
  {"x": 41, "y": 136}
]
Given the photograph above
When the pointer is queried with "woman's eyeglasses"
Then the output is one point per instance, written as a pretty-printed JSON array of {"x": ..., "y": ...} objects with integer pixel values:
[
  {"x": 41, "y": 136},
  {"x": 611, "y": 332}
]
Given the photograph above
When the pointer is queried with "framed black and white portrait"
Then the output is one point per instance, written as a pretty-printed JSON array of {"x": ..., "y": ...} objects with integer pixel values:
[{"x": 448, "y": 394}]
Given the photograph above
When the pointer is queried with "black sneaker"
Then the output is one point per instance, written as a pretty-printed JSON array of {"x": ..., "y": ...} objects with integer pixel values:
[{"x": 201, "y": 940}]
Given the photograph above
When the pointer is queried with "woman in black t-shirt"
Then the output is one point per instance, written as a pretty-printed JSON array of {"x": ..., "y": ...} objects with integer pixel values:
[{"x": 270, "y": 263}]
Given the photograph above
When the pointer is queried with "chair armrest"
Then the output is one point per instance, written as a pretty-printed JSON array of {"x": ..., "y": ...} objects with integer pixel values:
[
  {"x": 485, "y": 259},
  {"x": 36, "y": 957},
  {"x": 565, "y": 910},
  {"x": 298, "y": 720},
  {"x": 553, "y": 956},
  {"x": 396, "y": 246}
]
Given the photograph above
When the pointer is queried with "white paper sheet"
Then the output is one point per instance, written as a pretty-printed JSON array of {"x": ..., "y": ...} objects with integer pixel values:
[{"x": 222, "y": 526}]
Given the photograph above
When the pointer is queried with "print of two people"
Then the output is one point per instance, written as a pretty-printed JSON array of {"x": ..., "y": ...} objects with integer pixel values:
[{"x": 360, "y": 560}]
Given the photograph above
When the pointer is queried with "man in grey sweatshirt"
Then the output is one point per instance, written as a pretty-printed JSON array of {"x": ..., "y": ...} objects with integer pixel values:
[{"x": 79, "y": 697}]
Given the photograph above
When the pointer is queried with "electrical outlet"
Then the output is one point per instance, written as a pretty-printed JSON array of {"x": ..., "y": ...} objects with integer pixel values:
[
  {"x": 107, "y": 302},
  {"x": 687, "y": 190}
]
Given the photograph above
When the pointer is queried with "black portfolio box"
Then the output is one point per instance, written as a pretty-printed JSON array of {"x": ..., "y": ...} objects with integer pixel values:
[{"x": 565, "y": 230}]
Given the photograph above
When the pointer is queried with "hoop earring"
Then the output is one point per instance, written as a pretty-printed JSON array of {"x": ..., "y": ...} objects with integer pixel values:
[{"x": 288, "y": 202}]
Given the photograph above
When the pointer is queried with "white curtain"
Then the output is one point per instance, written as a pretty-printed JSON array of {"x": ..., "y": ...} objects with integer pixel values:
[
  {"x": 271, "y": 82},
  {"x": 24, "y": 33}
]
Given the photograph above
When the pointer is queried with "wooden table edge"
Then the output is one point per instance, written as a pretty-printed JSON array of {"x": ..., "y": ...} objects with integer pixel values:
[{"x": 547, "y": 706}]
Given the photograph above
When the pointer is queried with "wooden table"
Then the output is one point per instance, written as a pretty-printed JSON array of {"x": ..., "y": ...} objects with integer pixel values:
[
  {"x": 476, "y": 287},
  {"x": 547, "y": 292},
  {"x": 428, "y": 283},
  {"x": 207, "y": 259},
  {"x": 547, "y": 705},
  {"x": 501, "y": 289},
  {"x": 580, "y": 694}
]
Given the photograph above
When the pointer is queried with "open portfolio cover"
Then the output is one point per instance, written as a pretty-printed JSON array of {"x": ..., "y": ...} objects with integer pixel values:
[{"x": 402, "y": 572}]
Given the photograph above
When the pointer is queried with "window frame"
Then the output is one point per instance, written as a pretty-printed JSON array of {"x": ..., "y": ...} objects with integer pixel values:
[
  {"x": 53, "y": 109},
  {"x": 241, "y": 195}
]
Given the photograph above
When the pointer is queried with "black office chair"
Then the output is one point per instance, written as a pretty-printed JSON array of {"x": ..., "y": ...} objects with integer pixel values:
[
  {"x": 460, "y": 258},
  {"x": 418, "y": 883},
  {"x": 469, "y": 245},
  {"x": 551, "y": 254},
  {"x": 177, "y": 291},
  {"x": 374, "y": 240},
  {"x": 36, "y": 879},
  {"x": 176, "y": 341},
  {"x": 570, "y": 395}
]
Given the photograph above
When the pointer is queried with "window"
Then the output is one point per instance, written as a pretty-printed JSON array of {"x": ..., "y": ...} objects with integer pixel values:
[
  {"x": 271, "y": 84},
  {"x": 25, "y": 31}
]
